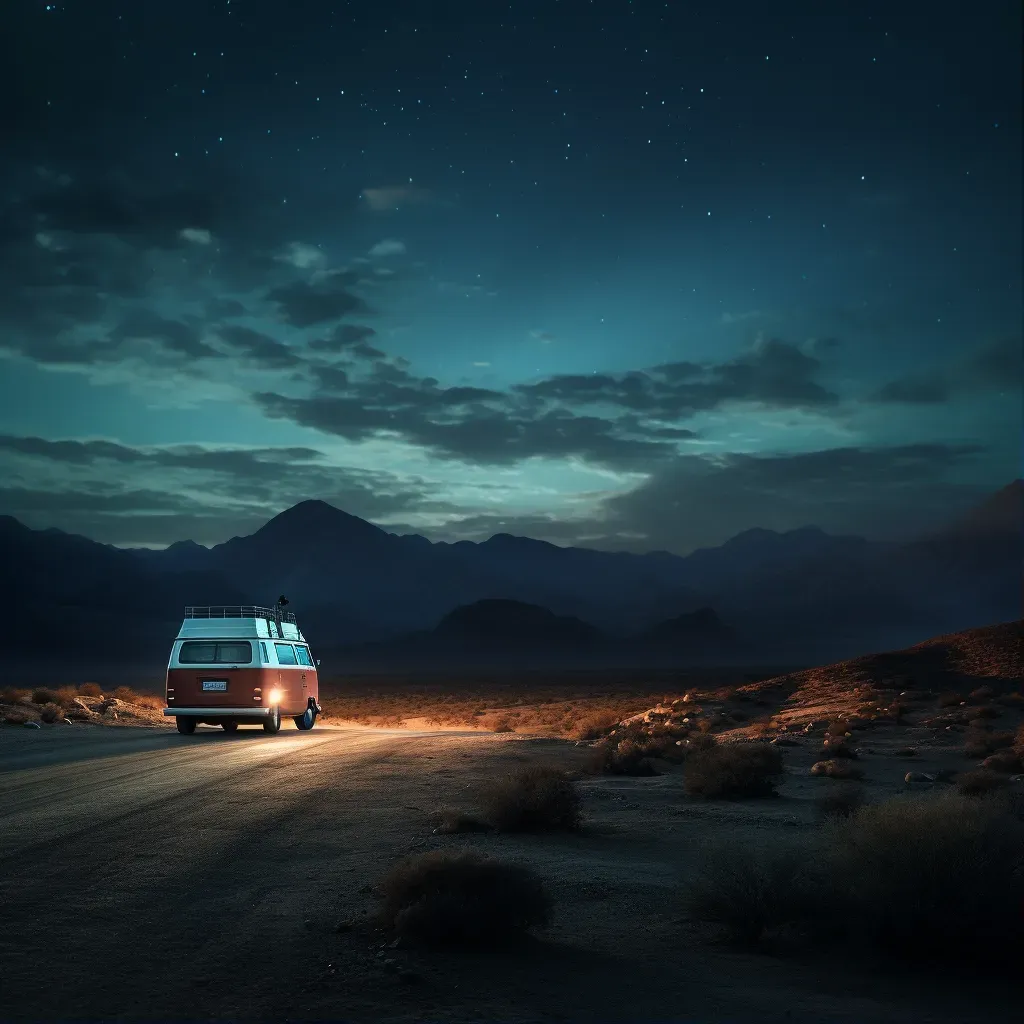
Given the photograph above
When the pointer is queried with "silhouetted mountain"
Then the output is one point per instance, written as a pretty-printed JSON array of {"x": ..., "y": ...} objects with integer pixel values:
[
  {"x": 503, "y": 623},
  {"x": 699, "y": 632},
  {"x": 801, "y": 595}
]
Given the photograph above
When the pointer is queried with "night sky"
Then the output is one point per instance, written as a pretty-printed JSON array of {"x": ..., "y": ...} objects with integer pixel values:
[{"x": 631, "y": 274}]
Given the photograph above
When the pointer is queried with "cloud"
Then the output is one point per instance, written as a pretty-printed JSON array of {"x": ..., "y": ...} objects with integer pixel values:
[
  {"x": 738, "y": 318},
  {"x": 390, "y": 197},
  {"x": 259, "y": 349},
  {"x": 120, "y": 494},
  {"x": 200, "y": 236},
  {"x": 388, "y": 247},
  {"x": 302, "y": 256},
  {"x": 544, "y": 337},
  {"x": 306, "y": 305},
  {"x": 996, "y": 366},
  {"x": 701, "y": 500}
]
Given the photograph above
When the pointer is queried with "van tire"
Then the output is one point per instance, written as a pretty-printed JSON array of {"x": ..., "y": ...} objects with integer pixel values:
[
  {"x": 229, "y": 726},
  {"x": 186, "y": 726},
  {"x": 272, "y": 724},
  {"x": 306, "y": 720}
]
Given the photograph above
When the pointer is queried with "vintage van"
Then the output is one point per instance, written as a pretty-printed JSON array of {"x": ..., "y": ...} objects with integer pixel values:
[{"x": 241, "y": 665}]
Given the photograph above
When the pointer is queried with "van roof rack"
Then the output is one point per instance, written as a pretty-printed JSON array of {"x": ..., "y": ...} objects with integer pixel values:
[{"x": 236, "y": 611}]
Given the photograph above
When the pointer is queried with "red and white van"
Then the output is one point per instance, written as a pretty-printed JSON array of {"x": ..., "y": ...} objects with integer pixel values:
[{"x": 241, "y": 665}]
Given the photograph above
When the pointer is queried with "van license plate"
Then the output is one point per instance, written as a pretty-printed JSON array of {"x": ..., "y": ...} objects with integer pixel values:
[{"x": 214, "y": 684}]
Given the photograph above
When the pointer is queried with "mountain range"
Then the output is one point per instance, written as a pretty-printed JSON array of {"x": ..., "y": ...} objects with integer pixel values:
[{"x": 370, "y": 598}]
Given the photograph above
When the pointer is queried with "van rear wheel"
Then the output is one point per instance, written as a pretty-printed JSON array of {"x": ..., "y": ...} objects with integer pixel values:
[
  {"x": 307, "y": 719},
  {"x": 272, "y": 723},
  {"x": 229, "y": 726},
  {"x": 186, "y": 726}
]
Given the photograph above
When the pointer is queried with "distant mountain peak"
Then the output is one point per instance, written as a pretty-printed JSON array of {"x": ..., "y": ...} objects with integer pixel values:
[{"x": 999, "y": 513}]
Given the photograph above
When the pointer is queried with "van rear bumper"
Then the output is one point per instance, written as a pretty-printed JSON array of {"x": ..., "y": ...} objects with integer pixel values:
[{"x": 218, "y": 712}]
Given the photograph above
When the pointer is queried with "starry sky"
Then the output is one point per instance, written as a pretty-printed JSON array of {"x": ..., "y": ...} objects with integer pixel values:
[{"x": 628, "y": 274}]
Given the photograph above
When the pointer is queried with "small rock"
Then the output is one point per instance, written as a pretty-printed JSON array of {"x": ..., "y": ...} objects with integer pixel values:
[
  {"x": 68, "y": 721},
  {"x": 343, "y": 926},
  {"x": 785, "y": 741},
  {"x": 32, "y": 725},
  {"x": 918, "y": 779}
]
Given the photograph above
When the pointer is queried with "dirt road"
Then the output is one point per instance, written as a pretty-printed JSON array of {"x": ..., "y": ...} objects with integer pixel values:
[{"x": 145, "y": 876}]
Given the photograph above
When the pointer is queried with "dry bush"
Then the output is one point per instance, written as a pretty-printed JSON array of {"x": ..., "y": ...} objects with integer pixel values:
[
  {"x": 985, "y": 711},
  {"x": 981, "y": 782},
  {"x": 935, "y": 878},
  {"x": 981, "y": 744},
  {"x": 950, "y": 700},
  {"x": 838, "y": 728},
  {"x": 619, "y": 758},
  {"x": 1008, "y": 761},
  {"x": 839, "y": 802},
  {"x": 450, "y": 821},
  {"x": 748, "y": 889},
  {"x": 65, "y": 695},
  {"x": 595, "y": 726},
  {"x": 982, "y": 693},
  {"x": 44, "y": 695},
  {"x": 836, "y": 770},
  {"x": 90, "y": 690},
  {"x": 462, "y": 898},
  {"x": 535, "y": 799},
  {"x": 498, "y": 723},
  {"x": 732, "y": 771},
  {"x": 51, "y": 713},
  {"x": 12, "y": 695},
  {"x": 16, "y": 717},
  {"x": 1011, "y": 700},
  {"x": 837, "y": 748}
]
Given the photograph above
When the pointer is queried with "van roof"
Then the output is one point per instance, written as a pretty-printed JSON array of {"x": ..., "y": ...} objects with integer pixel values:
[{"x": 238, "y": 621}]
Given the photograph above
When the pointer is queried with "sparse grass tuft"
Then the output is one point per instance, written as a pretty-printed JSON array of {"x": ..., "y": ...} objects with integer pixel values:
[
  {"x": 12, "y": 695},
  {"x": 1008, "y": 761},
  {"x": 462, "y": 899},
  {"x": 732, "y": 771},
  {"x": 981, "y": 744},
  {"x": 981, "y": 782},
  {"x": 14, "y": 716},
  {"x": 90, "y": 690},
  {"x": 619, "y": 758},
  {"x": 44, "y": 695},
  {"x": 535, "y": 799},
  {"x": 451, "y": 822},
  {"x": 950, "y": 700},
  {"x": 595, "y": 726},
  {"x": 749, "y": 890},
  {"x": 838, "y": 748},
  {"x": 839, "y": 802}
]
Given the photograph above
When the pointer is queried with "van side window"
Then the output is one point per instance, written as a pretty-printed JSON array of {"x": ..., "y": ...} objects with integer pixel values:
[
  {"x": 263, "y": 651},
  {"x": 285, "y": 654},
  {"x": 304, "y": 658}
]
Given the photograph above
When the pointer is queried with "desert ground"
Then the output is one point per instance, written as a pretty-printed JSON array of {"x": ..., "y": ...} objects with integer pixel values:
[{"x": 146, "y": 875}]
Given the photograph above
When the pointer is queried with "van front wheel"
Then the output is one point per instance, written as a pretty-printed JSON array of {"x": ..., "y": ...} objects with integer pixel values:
[
  {"x": 272, "y": 723},
  {"x": 307, "y": 719},
  {"x": 186, "y": 726}
]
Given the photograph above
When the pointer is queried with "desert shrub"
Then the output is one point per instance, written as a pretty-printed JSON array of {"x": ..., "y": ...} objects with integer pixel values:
[
  {"x": 979, "y": 783},
  {"x": 462, "y": 898},
  {"x": 748, "y": 889},
  {"x": 16, "y": 717},
  {"x": 836, "y": 770},
  {"x": 12, "y": 695},
  {"x": 982, "y": 693},
  {"x": 937, "y": 878},
  {"x": 90, "y": 690},
  {"x": 498, "y": 723},
  {"x": 51, "y": 713},
  {"x": 619, "y": 758},
  {"x": 839, "y": 802},
  {"x": 595, "y": 726},
  {"x": 1011, "y": 700},
  {"x": 985, "y": 711},
  {"x": 838, "y": 728},
  {"x": 535, "y": 799},
  {"x": 838, "y": 748},
  {"x": 732, "y": 771},
  {"x": 44, "y": 695},
  {"x": 450, "y": 821},
  {"x": 390, "y": 722},
  {"x": 950, "y": 700},
  {"x": 1004, "y": 761},
  {"x": 981, "y": 744}
]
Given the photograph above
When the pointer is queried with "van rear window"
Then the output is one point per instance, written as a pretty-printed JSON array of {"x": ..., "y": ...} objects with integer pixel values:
[
  {"x": 285, "y": 654},
  {"x": 205, "y": 652}
]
